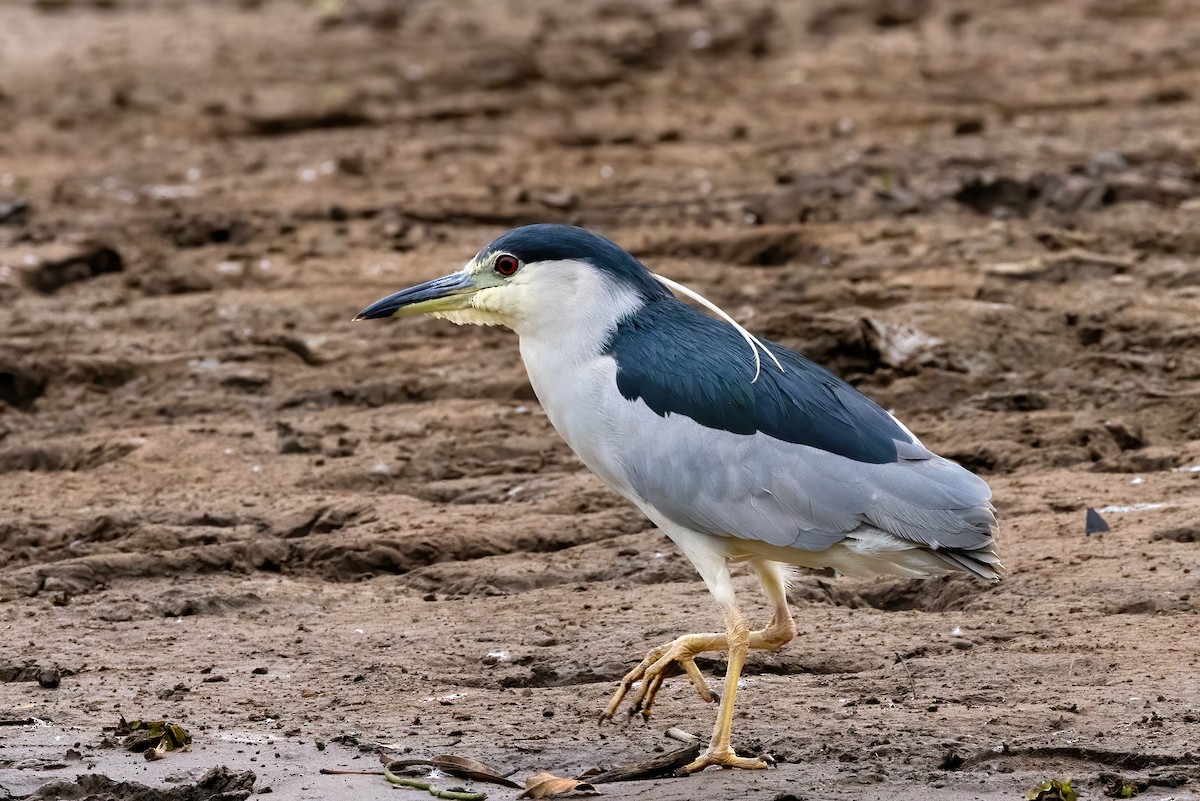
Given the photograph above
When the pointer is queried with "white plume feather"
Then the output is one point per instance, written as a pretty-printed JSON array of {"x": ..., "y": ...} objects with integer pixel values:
[{"x": 755, "y": 343}]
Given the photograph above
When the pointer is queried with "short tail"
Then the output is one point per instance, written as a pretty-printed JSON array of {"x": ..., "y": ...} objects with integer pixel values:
[
  {"x": 980, "y": 562},
  {"x": 868, "y": 549}
]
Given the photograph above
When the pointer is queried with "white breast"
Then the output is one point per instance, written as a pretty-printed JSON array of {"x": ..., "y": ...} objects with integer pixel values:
[
  {"x": 580, "y": 397},
  {"x": 563, "y": 338}
]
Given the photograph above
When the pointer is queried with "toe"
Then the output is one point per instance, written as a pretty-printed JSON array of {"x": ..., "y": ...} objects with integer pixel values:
[
  {"x": 727, "y": 759},
  {"x": 697, "y": 679}
]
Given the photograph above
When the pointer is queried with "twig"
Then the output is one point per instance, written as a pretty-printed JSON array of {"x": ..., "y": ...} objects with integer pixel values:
[
  {"x": 681, "y": 735},
  {"x": 336, "y": 772},
  {"x": 661, "y": 765},
  {"x": 408, "y": 762},
  {"x": 911, "y": 682}
]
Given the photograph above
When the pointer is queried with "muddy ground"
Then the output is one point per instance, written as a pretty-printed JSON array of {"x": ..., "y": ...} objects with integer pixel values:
[{"x": 224, "y": 504}]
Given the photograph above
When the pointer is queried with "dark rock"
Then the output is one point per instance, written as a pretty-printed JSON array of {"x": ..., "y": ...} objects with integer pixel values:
[
  {"x": 14, "y": 210},
  {"x": 1094, "y": 523},
  {"x": 246, "y": 380},
  {"x": 1167, "y": 96},
  {"x": 21, "y": 385},
  {"x": 45, "y": 676},
  {"x": 968, "y": 126},
  {"x": 1185, "y": 534},
  {"x": 999, "y": 195},
  {"x": 292, "y": 121},
  {"x": 899, "y": 13},
  {"x": 61, "y": 266},
  {"x": 290, "y": 440}
]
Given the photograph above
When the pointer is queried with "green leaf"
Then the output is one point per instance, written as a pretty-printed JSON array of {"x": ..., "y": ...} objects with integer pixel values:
[{"x": 1053, "y": 790}]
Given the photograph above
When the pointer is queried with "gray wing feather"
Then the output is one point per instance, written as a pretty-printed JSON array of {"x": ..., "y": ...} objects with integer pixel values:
[{"x": 785, "y": 494}]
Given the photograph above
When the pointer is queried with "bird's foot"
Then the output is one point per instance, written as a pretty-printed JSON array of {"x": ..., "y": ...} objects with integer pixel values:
[
  {"x": 726, "y": 759},
  {"x": 660, "y": 664}
]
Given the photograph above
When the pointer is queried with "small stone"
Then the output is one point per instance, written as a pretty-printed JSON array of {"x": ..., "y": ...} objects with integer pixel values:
[
  {"x": 968, "y": 126},
  {"x": 1127, "y": 436},
  {"x": 1105, "y": 162},
  {"x": 564, "y": 200},
  {"x": 48, "y": 678}
]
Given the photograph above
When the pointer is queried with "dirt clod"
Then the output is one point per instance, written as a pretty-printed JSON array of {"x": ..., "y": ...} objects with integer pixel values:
[
  {"x": 48, "y": 270},
  {"x": 218, "y": 784}
]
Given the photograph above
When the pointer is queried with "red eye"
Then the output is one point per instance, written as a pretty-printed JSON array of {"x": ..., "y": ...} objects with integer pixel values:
[{"x": 507, "y": 265}]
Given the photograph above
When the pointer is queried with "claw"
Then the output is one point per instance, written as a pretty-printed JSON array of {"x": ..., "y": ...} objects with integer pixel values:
[{"x": 659, "y": 665}]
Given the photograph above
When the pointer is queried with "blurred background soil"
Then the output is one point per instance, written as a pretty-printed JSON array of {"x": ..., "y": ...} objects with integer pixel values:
[{"x": 224, "y": 504}]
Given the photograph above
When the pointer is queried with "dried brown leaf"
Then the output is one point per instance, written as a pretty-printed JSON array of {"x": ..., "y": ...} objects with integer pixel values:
[
  {"x": 469, "y": 768},
  {"x": 547, "y": 785}
]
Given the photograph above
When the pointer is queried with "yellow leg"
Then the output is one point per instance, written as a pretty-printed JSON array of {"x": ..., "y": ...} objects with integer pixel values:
[
  {"x": 679, "y": 655},
  {"x": 719, "y": 751}
]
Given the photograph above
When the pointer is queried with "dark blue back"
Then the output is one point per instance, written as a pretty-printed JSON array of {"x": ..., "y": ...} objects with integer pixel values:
[{"x": 703, "y": 370}]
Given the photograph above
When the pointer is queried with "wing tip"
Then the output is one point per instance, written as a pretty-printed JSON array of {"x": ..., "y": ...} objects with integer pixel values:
[{"x": 982, "y": 563}]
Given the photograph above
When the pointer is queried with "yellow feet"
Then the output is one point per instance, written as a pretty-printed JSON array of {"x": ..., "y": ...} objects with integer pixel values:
[
  {"x": 679, "y": 656},
  {"x": 726, "y": 759},
  {"x": 660, "y": 664}
]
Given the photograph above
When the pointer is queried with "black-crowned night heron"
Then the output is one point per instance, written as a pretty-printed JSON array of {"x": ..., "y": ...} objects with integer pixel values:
[{"x": 736, "y": 448}]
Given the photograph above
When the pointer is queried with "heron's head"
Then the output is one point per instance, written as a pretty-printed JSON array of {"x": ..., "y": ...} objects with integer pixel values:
[{"x": 536, "y": 277}]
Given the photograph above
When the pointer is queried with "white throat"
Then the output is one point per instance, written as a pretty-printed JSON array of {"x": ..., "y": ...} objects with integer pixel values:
[
  {"x": 572, "y": 325},
  {"x": 557, "y": 301},
  {"x": 570, "y": 372}
]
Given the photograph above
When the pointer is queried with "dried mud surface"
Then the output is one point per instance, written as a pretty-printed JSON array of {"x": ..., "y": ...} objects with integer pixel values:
[{"x": 224, "y": 504}]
